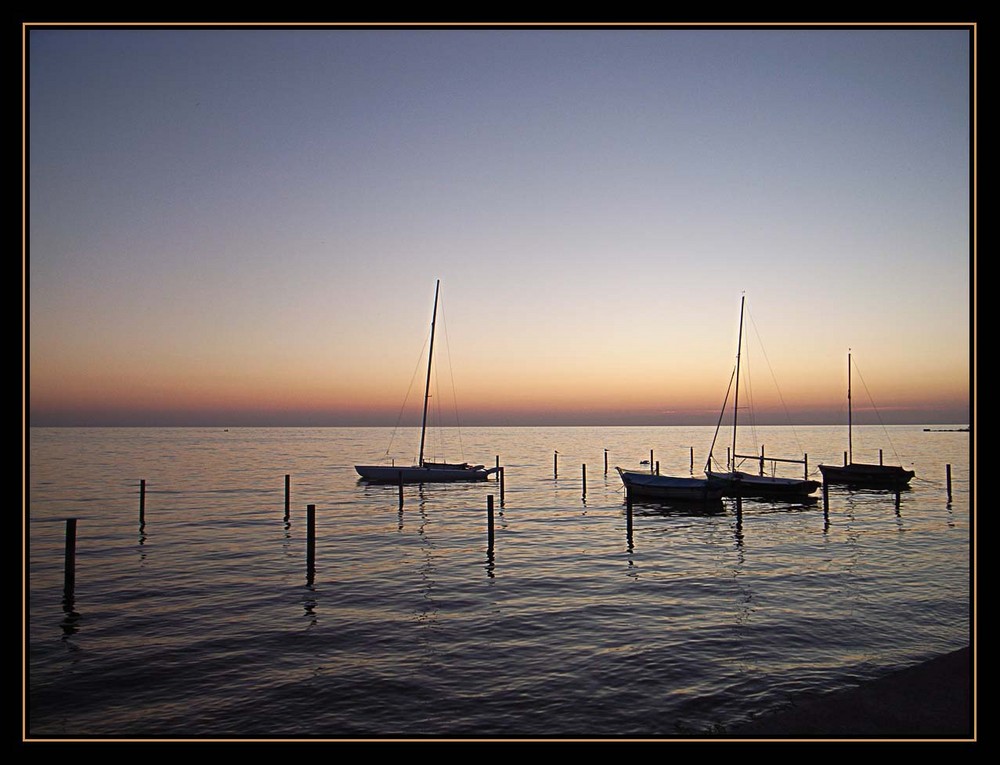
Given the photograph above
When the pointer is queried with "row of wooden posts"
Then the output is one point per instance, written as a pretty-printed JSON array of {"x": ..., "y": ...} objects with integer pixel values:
[
  {"x": 70, "y": 549},
  {"x": 555, "y": 464}
]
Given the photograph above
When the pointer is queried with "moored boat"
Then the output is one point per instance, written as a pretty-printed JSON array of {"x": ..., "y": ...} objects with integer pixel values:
[
  {"x": 735, "y": 483},
  {"x": 428, "y": 472},
  {"x": 863, "y": 474},
  {"x": 425, "y": 471},
  {"x": 649, "y": 485}
]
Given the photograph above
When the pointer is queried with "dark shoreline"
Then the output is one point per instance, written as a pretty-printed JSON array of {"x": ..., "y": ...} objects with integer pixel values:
[{"x": 929, "y": 701}]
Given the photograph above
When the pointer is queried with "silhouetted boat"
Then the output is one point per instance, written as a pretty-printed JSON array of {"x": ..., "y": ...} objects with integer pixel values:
[
  {"x": 735, "y": 483},
  {"x": 862, "y": 474},
  {"x": 425, "y": 471},
  {"x": 642, "y": 484}
]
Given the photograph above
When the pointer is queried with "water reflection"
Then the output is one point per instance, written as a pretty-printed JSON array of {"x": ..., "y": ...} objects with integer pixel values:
[
  {"x": 648, "y": 507},
  {"x": 71, "y": 618},
  {"x": 427, "y": 613},
  {"x": 309, "y": 605},
  {"x": 745, "y": 607}
]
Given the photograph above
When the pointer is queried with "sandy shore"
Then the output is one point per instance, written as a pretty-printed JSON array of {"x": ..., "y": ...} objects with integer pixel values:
[{"x": 933, "y": 700}]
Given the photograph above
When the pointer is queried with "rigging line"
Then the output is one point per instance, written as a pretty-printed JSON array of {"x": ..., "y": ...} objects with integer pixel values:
[
  {"x": 777, "y": 387},
  {"x": 749, "y": 406},
  {"x": 722, "y": 413},
  {"x": 406, "y": 398},
  {"x": 442, "y": 454},
  {"x": 877, "y": 413},
  {"x": 454, "y": 390}
]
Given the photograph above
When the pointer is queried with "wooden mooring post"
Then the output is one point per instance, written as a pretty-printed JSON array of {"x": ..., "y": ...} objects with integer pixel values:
[
  {"x": 605, "y": 462},
  {"x": 489, "y": 521},
  {"x": 310, "y": 541},
  {"x": 948, "y": 480},
  {"x": 628, "y": 514},
  {"x": 555, "y": 464},
  {"x": 400, "y": 489},
  {"x": 501, "y": 486},
  {"x": 584, "y": 471},
  {"x": 69, "y": 565},
  {"x": 288, "y": 497},
  {"x": 142, "y": 502}
]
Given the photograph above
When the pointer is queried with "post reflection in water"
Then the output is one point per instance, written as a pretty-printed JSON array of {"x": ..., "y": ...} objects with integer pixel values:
[
  {"x": 428, "y": 610},
  {"x": 309, "y": 605},
  {"x": 745, "y": 604},
  {"x": 628, "y": 521},
  {"x": 71, "y": 618}
]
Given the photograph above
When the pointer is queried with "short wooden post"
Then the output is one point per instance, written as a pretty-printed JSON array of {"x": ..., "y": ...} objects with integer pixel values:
[
  {"x": 69, "y": 566},
  {"x": 826, "y": 497},
  {"x": 489, "y": 519},
  {"x": 879, "y": 456},
  {"x": 501, "y": 486},
  {"x": 628, "y": 513},
  {"x": 650, "y": 460},
  {"x": 948, "y": 477},
  {"x": 692, "y": 459},
  {"x": 400, "y": 489},
  {"x": 310, "y": 540},
  {"x": 498, "y": 463},
  {"x": 288, "y": 496},
  {"x": 142, "y": 502},
  {"x": 555, "y": 464},
  {"x": 584, "y": 470},
  {"x": 605, "y": 462},
  {"x": 657, "y": 467},
  {"x": 845, "y": 459}
]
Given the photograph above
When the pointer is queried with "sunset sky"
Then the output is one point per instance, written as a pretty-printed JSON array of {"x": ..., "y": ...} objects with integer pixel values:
[{"x": 245, "y": 226}]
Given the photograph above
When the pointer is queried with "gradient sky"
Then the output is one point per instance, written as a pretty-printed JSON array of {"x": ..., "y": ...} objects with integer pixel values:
[{"x": 245, "y": 226}]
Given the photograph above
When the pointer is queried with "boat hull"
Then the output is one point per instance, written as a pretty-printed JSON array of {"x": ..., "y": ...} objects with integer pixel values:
[
  {"x": 669, "y": 487},
  {"x": 761, "y": 486},
  {"x": 426, "y": 474},
  {"x": 867, "y": 476}
]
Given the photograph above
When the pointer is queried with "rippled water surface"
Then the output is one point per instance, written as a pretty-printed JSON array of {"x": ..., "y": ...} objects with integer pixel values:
[{"x": 205, "y": 620}]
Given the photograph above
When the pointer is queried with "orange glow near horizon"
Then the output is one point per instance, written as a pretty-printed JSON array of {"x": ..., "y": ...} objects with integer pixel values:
[{"x": 562, "y": 395}]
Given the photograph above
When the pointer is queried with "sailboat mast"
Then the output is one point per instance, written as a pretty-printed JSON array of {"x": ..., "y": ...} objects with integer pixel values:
[
  {"x": 850, "y": 426},
  {"x": 736, "y": 396},
  {"x": 427, "y": 386}
]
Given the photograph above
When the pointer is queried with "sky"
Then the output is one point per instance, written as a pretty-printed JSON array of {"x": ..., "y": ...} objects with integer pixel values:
[{"x": 245, "y": 226}]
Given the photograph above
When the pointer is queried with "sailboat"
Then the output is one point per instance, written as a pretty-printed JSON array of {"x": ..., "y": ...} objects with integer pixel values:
[
  {"x": 425, "y": 471},
  {"x": 735, "y": 483},
  {"x": 668, "y": 487},
  {"x": 860, "y": 474}
]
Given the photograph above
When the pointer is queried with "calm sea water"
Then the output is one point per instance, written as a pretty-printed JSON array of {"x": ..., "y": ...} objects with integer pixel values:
[{"x": 205, "y": 621}]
